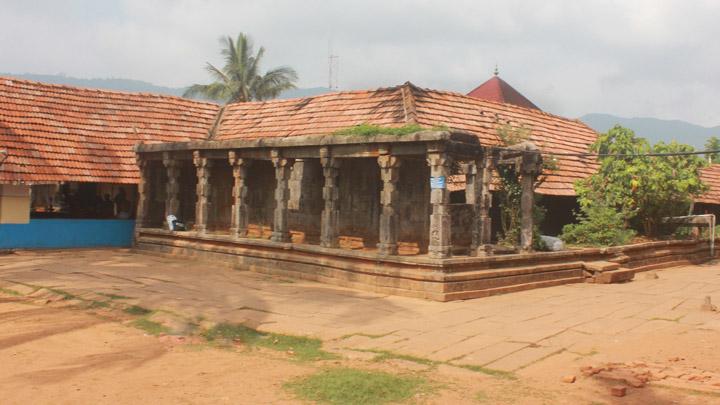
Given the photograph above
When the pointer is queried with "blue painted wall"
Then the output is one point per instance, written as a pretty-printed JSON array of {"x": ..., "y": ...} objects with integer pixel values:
[{"x": 67, "y": 233}]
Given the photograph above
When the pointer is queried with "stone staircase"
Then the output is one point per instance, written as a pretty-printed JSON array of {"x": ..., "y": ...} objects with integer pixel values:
[{"x": 482, "y": 283}]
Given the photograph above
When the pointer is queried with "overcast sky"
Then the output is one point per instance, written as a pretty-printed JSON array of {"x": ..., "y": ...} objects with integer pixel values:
[{"x": 630, "y": 58}]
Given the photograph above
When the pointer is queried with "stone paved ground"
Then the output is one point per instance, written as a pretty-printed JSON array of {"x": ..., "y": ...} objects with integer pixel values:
[{"x": 544, "y": 329}]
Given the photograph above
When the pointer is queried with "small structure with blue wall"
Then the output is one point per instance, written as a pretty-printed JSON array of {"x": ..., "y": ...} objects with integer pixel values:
[{"x": 67, "y": 233}]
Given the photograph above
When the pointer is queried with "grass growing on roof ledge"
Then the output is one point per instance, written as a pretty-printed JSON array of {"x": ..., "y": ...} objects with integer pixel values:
[{"x": 372, "y": 130}]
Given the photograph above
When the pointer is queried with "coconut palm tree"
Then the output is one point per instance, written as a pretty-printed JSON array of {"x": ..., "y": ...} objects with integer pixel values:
[{"x": 240, "y": 80}]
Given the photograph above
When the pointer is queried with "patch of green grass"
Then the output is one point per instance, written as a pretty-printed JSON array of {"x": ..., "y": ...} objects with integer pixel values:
[
  {"x": 98, "y": 304},
  {"x": 372, "y": 130},
  {"x": 115, "y": 296},
  {"x": 9, "y": 291},
  {"x": 367, "y": 335},
  {"x": 349, "y": 386},
  {"x": 66, "y": 295},
  {"x": 489, "y": 371},
  {"x": 150, "y": 327},
  {"x": 137, "y": 310},
  {"x": 232, "y": 331},
  {"x": 388, "y": 355},
  {"x": 302, "y": 348}
]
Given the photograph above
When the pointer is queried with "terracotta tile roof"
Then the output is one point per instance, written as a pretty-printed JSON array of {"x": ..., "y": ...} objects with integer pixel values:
[
  {"x": 58, "y": 133},
  {"x": 497, "y": 89},
  {"x": 711, "y": 176},
  {"x": 398, "y": 106}
]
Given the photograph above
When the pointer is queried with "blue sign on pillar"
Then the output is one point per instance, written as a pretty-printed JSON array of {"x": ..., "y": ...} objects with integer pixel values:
[{"x": 437, "y": 182}]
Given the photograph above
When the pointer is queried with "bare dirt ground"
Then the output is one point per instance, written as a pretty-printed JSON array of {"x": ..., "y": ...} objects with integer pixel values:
[{"x": 55, "y": 348}]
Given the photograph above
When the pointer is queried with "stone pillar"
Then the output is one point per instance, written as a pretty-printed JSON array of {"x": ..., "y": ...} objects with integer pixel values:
[
  {"x": 481, "y": 198},
  {"x": 440, "y": 222},
  {"x": 330, "y": 219},
  {"x": 526, "y": 211},
  {"x": 239, "y": 217},
  {"x": 473, "y": 197},
  {"x": 530, "y": 166},
  {"x": 389, "y": 173},
  {"x": 281, "y": 232},
  {"x": 485, "y": 196},
  {"x": 202, "y": 165},
  {"x": 143, "y": 207},
  {"x": 172, "y": 187}
]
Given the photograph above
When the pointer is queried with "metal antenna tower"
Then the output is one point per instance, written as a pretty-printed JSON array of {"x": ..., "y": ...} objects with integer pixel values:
[{"x": 333, "y": 68}]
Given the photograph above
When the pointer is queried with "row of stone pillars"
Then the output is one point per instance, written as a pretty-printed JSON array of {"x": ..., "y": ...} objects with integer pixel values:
[{"x": 478, "y": 177}]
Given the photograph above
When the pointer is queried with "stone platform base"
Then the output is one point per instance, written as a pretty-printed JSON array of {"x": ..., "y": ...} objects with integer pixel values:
[{"x": 450, "y": 279}]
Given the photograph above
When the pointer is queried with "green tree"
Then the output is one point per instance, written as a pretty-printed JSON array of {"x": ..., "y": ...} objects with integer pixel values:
[
  {"x": 598, "y": 225},
  {"x": 713, "y": 143},
  {"x": 643, "y": 189},
  {"x": 510, "y": 194},
  {"x": 240, "y": 78}
]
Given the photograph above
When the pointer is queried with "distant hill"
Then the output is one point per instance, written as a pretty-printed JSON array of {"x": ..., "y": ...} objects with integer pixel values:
[
  {"x": 139, "y": 86},
  {"x": 654, "y": 129},
  {"x": 136, "y": 86}
]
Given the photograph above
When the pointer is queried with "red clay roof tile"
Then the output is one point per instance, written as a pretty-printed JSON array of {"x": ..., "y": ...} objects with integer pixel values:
[
  {"x": 327, "y": 113},
  {"x": 497, "y": 89},
  {"x": 59, "y": 133}
]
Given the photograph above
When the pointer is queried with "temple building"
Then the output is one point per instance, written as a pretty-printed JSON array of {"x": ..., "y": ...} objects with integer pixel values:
[{"x": 291, "y": 187}]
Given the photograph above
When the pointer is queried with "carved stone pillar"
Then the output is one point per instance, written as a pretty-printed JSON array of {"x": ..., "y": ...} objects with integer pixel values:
[
  {"x": 473, "y": 197},
  {"x": 239, "y": 216},
  {"x": 172, "y": 187},
  {"x": 281, "y": 232},
  {"x": 390, "y": 174},
  {"x": 330, "y": 219},
  {"x": 202, "y": 165},
  {"x": 485, "y": 201},
  {"x": 478, "y": 194},
  {"x": 143, "y": 207},
  {"x": 440, "y": 221}
]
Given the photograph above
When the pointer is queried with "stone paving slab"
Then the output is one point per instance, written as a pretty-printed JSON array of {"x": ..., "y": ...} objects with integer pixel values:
[
  {"x": 508, "y": 332},
  {"x": 524, "y": 357}
]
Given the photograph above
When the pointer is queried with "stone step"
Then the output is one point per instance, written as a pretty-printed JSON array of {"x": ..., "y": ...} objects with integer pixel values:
[
  {"x": 613, "y": 276},
  {"x": 600, "y": 266},
  {"x": 464, "y": 295},
  {"x": 506, "y": 280},
  {"x": 674, "y": 263},
  {"x": 470, "y": 275}
]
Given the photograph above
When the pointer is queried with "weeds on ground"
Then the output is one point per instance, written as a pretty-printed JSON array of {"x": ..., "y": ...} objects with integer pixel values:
[
  {"x": 300, "y": 347},
  {"x": 66, "y": 295},
  {"x": 9, "y": 291},
  {"x": 137, "y": 310},
  {"x": 367, "y": 335},
  {"x": 114, "y": 296},
  {"x": 352, "y": 386},
  {"x": 387, "y": 355},
  {"x": 98, "y": 304},
  {"x": 150, "y": 327}
]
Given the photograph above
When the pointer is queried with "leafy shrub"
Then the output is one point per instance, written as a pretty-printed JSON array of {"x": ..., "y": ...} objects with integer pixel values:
[{"x": 598, "y": 225}]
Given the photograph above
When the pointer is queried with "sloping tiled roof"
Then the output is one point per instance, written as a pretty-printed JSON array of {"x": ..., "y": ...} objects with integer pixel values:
[
  {"x": 711, "y": 176},
  {"x": 497, "y": 89},
  {"x": 58, "y": 133},
  {"x": 398, "y": 106}
]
